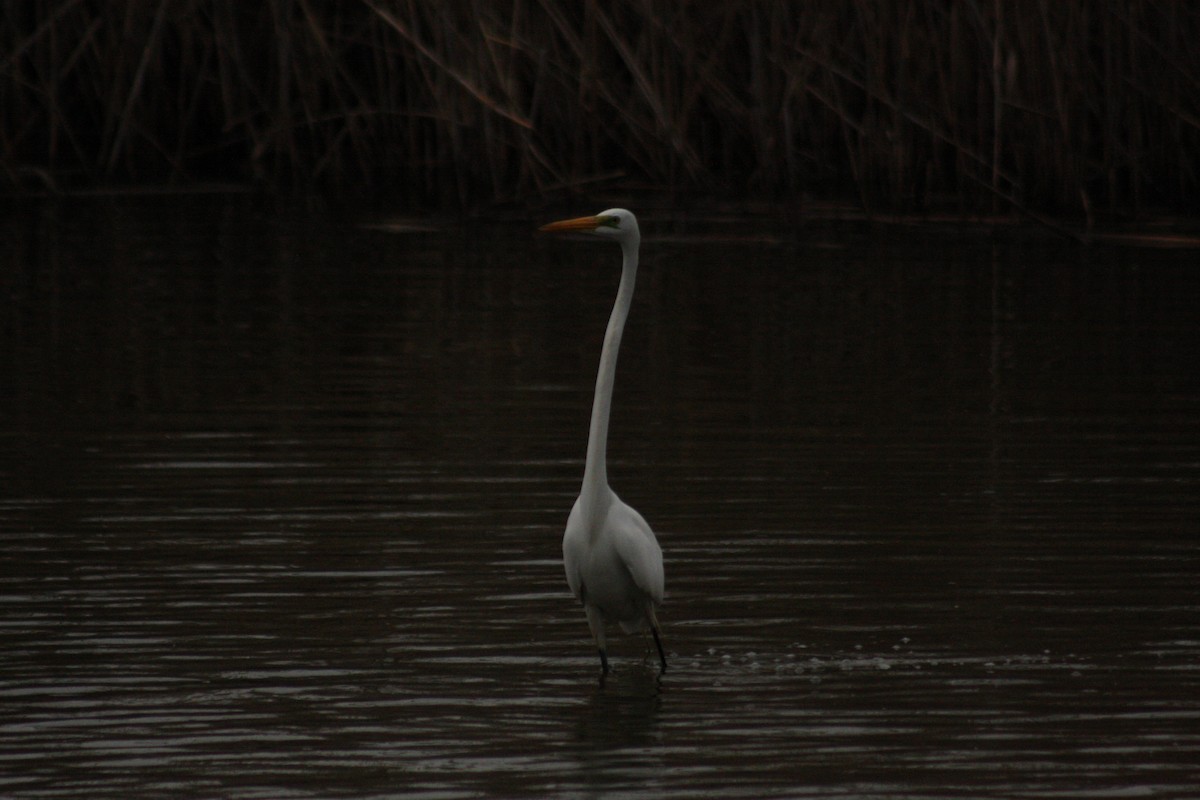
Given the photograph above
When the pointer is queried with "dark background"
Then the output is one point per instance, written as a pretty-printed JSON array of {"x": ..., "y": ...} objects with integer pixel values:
[{"x": 1077, "y": 110}]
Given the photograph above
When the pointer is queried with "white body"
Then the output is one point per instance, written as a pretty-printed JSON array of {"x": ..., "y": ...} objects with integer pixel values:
[{"x": 614, "y": 564}]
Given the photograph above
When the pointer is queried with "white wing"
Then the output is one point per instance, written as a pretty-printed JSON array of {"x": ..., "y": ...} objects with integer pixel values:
[{"x": 637, "y": 548}]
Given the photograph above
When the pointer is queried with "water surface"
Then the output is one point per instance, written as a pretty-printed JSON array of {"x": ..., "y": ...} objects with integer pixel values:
[{"x": 281, "y": 502}]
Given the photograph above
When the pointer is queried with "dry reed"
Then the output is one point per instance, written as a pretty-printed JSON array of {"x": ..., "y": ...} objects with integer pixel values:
[{"x": 1063, "y": 106}]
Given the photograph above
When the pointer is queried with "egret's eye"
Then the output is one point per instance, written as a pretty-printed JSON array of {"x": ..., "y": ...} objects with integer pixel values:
[{"x": 611, "y": 221}]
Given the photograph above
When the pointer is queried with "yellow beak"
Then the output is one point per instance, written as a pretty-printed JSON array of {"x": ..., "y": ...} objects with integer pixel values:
[{"x": 577, "y": 224}]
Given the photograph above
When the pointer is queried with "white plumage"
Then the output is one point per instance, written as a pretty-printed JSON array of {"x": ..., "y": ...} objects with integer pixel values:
[{"x": 613, "y": 562}]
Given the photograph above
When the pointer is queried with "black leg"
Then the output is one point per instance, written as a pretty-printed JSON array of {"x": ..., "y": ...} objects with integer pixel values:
[
  {"x": 658, "y": 643},
  {"x": 603, "y": 662}
]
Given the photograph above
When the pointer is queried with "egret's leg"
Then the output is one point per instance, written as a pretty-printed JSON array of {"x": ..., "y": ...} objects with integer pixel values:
[
  {"x": 653, "y": 620},
  {"x": 596, "y": 623},
  {"x": 658, "y": 643}
]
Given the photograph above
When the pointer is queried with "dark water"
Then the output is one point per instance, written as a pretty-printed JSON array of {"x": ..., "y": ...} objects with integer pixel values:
[{"x": 281, "y": 505}]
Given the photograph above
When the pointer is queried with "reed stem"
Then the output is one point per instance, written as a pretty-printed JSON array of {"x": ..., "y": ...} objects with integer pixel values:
[{"x": 1065, "y": 108}]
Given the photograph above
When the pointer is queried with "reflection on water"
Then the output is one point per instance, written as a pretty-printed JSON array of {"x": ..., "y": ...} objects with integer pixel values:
[{"x": 281, "y": 504}]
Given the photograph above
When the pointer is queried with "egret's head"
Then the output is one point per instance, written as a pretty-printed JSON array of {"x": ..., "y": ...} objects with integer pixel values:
[{"x": 615, "y": 223}]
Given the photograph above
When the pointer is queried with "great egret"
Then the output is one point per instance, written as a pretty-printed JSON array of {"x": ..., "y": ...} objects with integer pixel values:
[{"x": 613, "y": 562}]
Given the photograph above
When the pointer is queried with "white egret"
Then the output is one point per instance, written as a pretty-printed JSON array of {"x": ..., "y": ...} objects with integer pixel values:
[{"x": 613, "y": 562}]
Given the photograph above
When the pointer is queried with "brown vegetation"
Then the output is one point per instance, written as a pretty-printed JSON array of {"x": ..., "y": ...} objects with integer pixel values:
[{"x": 1066, "y": 106}]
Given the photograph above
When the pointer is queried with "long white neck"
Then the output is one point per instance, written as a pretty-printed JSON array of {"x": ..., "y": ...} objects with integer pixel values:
[{"x": 595, "y": 471}]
